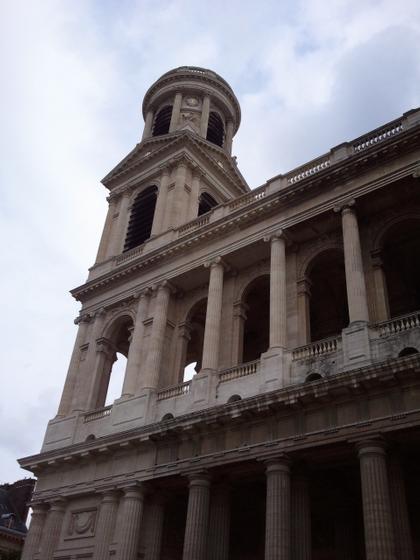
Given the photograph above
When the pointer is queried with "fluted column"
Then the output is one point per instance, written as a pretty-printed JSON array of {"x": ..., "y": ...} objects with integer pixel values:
[
  {"x": 379, "y": 534},
  {"x": 134, "y": 361},
  {"x": 229, "y": 136},
  {"x": 304, "y": 319},
  {"x": 195, "y": 540},
  {"x": 176, "y": 110},
  {"x": 355, "y": 278},
  {"x": 52, "y": 529},
  {"x": 278, "y": 296},
  {"x": 213, "y": 315},
  {"x": 301, "y": 518},
  {"x": 103, "y": 252},
  {"x": 158, "y": 225},
  {"x": 157, "y": 336},
  {"x": 155, "y": 528},
  {"x": 147, "y": 132},
  {"x": 219, "y": 524},
  {"x": 277, "y": 520},
  {"x": 73, "y": 371},
  {"x": 129, "y": 529},
  {"x": 381, "y": 291},
  {"x": 403, "y": 538},
  {"x": 106, "y": 524},
  {"x": 116, "y": 242},
  {"x": 205, "y": 113},
  {"x": 33, "y": 539}
]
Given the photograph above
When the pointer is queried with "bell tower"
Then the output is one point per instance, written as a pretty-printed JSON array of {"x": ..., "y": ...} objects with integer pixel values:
[{"x": 183, "y": 166}]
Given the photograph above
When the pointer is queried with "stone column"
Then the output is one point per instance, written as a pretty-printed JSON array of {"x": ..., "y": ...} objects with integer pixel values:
[
  {"x": 355, "y": 278},
  {"x": 195, "y": 194},
  {"x": 301, "y": 519},
  {"x": 155, "y": 528},
  {"x": 116, "y": 242},
  {"x": 33, "y": 539},
  {"x": 147, "y": 132},
  {"x": 195, "y": 540},
  {"x": 229, "y": 136},
  {"x": 379, "y": 534},
  {"x": 107, "y": 231},
  {"x": 277, "y": 520},
  {"x": 381, "y": 291},
  {"x": 85, "y": 381},
  {"x": 278, "y": 296},
  {"x": 157, "y": 336},
  {"x": 184, "y": 336},
  {"x": 176, "y": 110},
  {"x": 403, "y": 538},
  {"x": 74, "y": 366},
  {"x": 180, "y": 196},
  {"x": 239, "y": 319},
  {"x": 52, "y": 529},
  {"x": 134, "y": 360},
  {"x": 106, "y": 524},
  {"x": 304, "y": 318},
  {"x": 106, "y": 355},
  {"x": 158, "y": 225},
  {"x": 205, "y": 113},
  {"x": 219, "y": 524},
  {"x": 129, "y": 529},
  {"x": 213, "y": 315}
]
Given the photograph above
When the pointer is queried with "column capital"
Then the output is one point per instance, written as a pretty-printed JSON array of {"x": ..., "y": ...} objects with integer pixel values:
[
  {"x": 199, "y": 478},
  {"x": 109, "y": 496},
  {"x": 277, "y": 463},
  {"x": 134, "y": 491},
  {"x": 375, "y": 445},
  {"x": 165, "y": 168},
  {"x": 304, "y": 286},
  {"x": 240, "y": 309},
  {"x": 165, "y": 285},
  {"x": 376, "y": 258},
  {"x": 82, "y": 318},
  {"x": 345, "y": 206},
  {"x": 142, "y": 294},
  {"x": 58, "y": 504},
  {"x": 276, "y": 236},
  {"x": 99, "y": 313},
  {"x": 38, "y": 508},
  {"x": 216, "y": 261}
]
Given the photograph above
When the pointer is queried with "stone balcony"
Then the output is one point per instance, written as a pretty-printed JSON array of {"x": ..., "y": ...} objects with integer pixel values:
[{"x": 273, "y": 371}]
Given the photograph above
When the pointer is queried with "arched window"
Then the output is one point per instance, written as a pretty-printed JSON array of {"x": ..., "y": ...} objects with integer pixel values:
[
  {"x": 215, "y": 129},
  {"x": 141, "y": 218},
  {"x": 162, "y": 121},
  {"x": 205, "y": 203},
  {"x": 234, "y": 398},
  {"x": 313, "y": 377},
  {"x": 408, "y": 351},
  {"x": 194, "y": 350},
  {"x": 256, "y": 301}
]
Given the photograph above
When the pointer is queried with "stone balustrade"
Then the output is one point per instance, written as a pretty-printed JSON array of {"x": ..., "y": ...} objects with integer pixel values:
[
  {"x": 399, "y": 324},
  {"x": 249, "y": 198},
  {"x": 175, "y": 391},
  {"x": 97, "y": 414},
  {"x": 379, "y": 135},
  {"x": 194, "y": 224},
  {"x": 239, "y": 371},
  {"x": 135, "y": 252},
  {"x": 309, "y": 169},
  {"x": 325, "y": 346}
]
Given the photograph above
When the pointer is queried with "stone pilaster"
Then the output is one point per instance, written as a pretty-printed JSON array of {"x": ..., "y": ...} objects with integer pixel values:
[
  {"x": 106, "y": 524},
  {"x": 304, "y": 319},
  {"x": 74, "y": 366},
  {"x": 106, "y": 355},
  {"x": 213, "y": 315},
  {"x": 355, "y": 278},
  {"x": 205, "y": 113},
  {"x": 219, "y": 524},
  {"x": 134, "y": 361},
  {"x": 52, "y": 529},
  {"x": 176, "y": 110},
  {"x": 180, "y": 203},
  {"x": 33, "y": 539},
  {"x": 116, "y": 241},
  {"x": 278, "y": 296},
  {"x": 239, "y": 318},
  {"x": 229, "y": 136},
  {"x": 154, "y": 533},
  {"x": 195, "y": 540},
  {"x": 379, "y": 533},
  {"x": 402, "y": 531},
  {"x": 195, "y": 194},
  {"x": 147, "y": 132},
  {"x": 381, "y": 291},
  {"x": 129, "y": 527},
  {"x": 157, "y": 336},
  {"x": 184, "y": 336},
  {"x": 277, "y": 520},
  {"x": 158, "y": 225},
  {"x": 301, "y": 518},
  {"x": 103, "y": 251}
]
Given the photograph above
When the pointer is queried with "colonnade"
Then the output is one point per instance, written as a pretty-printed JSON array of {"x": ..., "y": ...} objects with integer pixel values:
[{"x": 207, "y": 527}]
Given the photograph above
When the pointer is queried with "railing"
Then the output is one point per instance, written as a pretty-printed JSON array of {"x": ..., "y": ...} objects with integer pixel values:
[
  {"x": 256, "y": 194},
  {"x": 317, "y": 348},
  {"x": 198, "y": 222},
  {"x": 97, "y": 414},
  {"x": 399, "y": 324},
  {"x": 176, "y": 391},
  {"x": 239, "y": 371},
  {"x": 378, "y": 135},
  {"x": 307, "y": 170},
  {"x": 130, "y": 254}
]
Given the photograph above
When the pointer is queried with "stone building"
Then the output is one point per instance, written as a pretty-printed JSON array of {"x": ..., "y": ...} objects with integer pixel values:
[
  {"x": 14, "y": 499},
  {"x": 298, "y": 304}
]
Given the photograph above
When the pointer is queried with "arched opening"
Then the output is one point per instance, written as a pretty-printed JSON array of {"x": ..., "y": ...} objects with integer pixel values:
[
  {"x": 256, "y": 301},
  {"x": 401, "y": 261},
  {"x": 162, "y": 121},
  {"x": 205, "y": 203},
  {"x": 168, "y": 416},
  {"x": 409, "y": 351},
  {"x": 114, "y": 360},
  {"x": 141, "y": 218},
  {"x": 313, "y": 377},
  {"x": 234, "y": 398},
  {"x": 215, "y": 129},
  {"x": 196, "y": 321},
  {"x": 328, "y": 308}
]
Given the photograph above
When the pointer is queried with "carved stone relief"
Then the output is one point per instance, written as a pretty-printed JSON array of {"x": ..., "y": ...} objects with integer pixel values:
[{"x": 82, "y": 523}]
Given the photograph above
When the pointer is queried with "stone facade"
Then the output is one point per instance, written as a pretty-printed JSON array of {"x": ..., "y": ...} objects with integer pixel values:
[{"x": 298, "y": 301}]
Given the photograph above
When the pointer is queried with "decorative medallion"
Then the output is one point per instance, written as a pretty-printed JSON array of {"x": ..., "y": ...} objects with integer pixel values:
[
  {"x": 82, "y": 523},
  {"x": 192, "y": 101}
]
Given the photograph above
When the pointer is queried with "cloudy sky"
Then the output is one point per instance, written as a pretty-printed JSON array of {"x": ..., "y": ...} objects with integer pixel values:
[{"x": 309, "y": 74}]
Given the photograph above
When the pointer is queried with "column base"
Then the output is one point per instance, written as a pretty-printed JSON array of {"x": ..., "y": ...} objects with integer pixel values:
[
  {"x": 203, "y": 387},
  {"x": 356, "y": 345},
  {"x": 275, "y": 369}
]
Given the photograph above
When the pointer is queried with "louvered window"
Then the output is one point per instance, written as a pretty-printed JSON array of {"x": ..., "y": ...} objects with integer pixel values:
[
  {"x": 162, "y": 121},
  {"x": 141, "y": 218}
]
